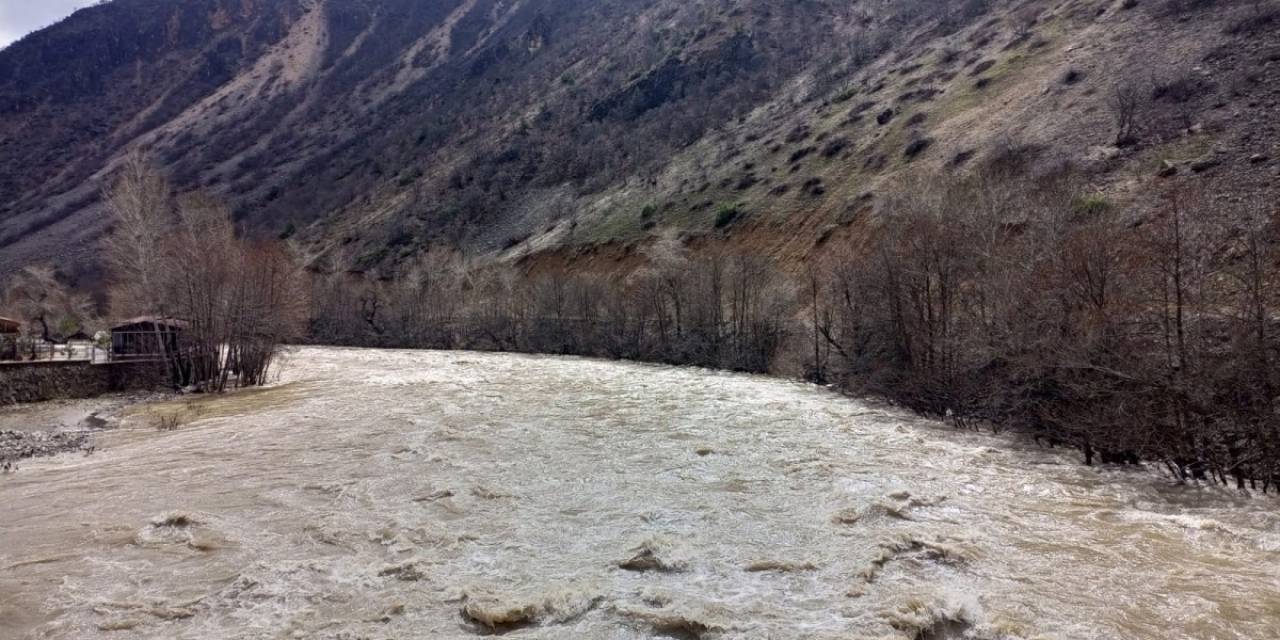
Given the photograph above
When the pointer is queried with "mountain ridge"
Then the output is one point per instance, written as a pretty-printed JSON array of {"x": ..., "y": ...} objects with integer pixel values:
[{"x": 373, "y": 131}]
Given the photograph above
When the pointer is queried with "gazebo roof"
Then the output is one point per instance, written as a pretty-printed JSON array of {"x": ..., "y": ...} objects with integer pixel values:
[{"x": 172, "y": 323}]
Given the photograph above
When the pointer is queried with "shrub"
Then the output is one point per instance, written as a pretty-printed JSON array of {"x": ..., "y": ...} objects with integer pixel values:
[
  {"x": 1181, "y": 89},
  {"x": 727, "y": 215},
  {"x": 835, "y": 147},
  {"x": 982, "y": 67},
  {"x": 1091, "y": 205},
  {"x": 961, "y": 158},
  {"x": 801, "y": 154},
  {"x": 797, "y": 134},
  {"x": 917, "y": 147}
]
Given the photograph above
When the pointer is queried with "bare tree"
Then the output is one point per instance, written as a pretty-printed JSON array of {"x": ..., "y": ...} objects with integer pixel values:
[
  {"x": 142, "y": 207},
  {"x": 1126, "y": 103},
  {"x": 267, "y": 309}
]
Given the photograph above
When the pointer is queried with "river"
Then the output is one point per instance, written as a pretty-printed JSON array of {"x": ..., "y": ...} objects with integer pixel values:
[{"x": 399, "y": 494}]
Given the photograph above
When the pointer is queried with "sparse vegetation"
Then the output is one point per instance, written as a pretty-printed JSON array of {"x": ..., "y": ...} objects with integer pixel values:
[{"x": 167, "y": 422}]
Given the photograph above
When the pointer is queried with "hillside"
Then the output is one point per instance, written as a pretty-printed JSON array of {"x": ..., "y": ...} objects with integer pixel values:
[{"x": 372, "y": 130}]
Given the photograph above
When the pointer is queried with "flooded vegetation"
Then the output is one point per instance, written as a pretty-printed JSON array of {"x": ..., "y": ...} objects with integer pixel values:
[{"x": 393, "y": 494}]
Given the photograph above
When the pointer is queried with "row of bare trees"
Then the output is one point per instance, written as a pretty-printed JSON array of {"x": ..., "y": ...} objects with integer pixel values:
[
  {"x": 724, "y": 311},
  {"x": 1029, "y": 304},
  {"x": 238, "y": 300}
]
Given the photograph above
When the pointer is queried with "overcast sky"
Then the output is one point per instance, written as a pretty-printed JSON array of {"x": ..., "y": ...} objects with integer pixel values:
[{"x": 20, "y": 17}]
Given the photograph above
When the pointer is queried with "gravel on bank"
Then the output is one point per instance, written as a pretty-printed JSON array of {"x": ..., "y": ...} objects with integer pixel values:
[{"x": 18, "y": 445}]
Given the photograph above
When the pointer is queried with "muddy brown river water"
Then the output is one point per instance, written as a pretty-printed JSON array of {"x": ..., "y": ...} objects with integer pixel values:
[{"x": 384, "y": 494}]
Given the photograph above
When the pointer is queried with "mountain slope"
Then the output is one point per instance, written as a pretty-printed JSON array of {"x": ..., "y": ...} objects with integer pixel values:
[{"x": 375, "y": 129}]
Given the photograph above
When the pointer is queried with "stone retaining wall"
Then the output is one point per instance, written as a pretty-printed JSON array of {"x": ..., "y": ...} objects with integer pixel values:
[{"x": 22, "y": 382}]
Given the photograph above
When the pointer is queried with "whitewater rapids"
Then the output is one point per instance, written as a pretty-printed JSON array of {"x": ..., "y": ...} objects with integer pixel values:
[{"x": 385, "y": 494}]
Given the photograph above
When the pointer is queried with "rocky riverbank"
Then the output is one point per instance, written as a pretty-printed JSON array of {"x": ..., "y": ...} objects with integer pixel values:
[
  {"x": 20, "y": 445},
  {"x": 43, "y": 429}
]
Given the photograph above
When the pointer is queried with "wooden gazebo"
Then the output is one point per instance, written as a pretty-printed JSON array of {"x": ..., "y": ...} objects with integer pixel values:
[{"x": 147, "y": 338}]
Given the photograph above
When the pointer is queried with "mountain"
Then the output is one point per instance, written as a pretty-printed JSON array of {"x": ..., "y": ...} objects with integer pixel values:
[{"x": 576, "y": 130}]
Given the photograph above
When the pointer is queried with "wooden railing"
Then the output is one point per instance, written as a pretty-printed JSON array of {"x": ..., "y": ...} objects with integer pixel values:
[{"x": 50, "y": 352}]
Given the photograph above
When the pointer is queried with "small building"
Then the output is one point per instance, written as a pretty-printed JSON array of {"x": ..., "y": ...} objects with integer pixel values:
[
  {"x": 10, "y": 331},
  {"x": 79, "y": 336},
  {"x": 147, "y": 338}
]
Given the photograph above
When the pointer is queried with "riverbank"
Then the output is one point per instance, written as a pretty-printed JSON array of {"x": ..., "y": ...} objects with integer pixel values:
[{"x": 55, "y": 427}]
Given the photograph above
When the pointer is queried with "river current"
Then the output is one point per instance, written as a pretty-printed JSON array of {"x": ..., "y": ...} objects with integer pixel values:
[{"x": 399, "y": 494}]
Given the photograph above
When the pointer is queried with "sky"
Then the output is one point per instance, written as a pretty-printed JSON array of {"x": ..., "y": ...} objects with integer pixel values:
[{"x": 20, "y": 17}]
